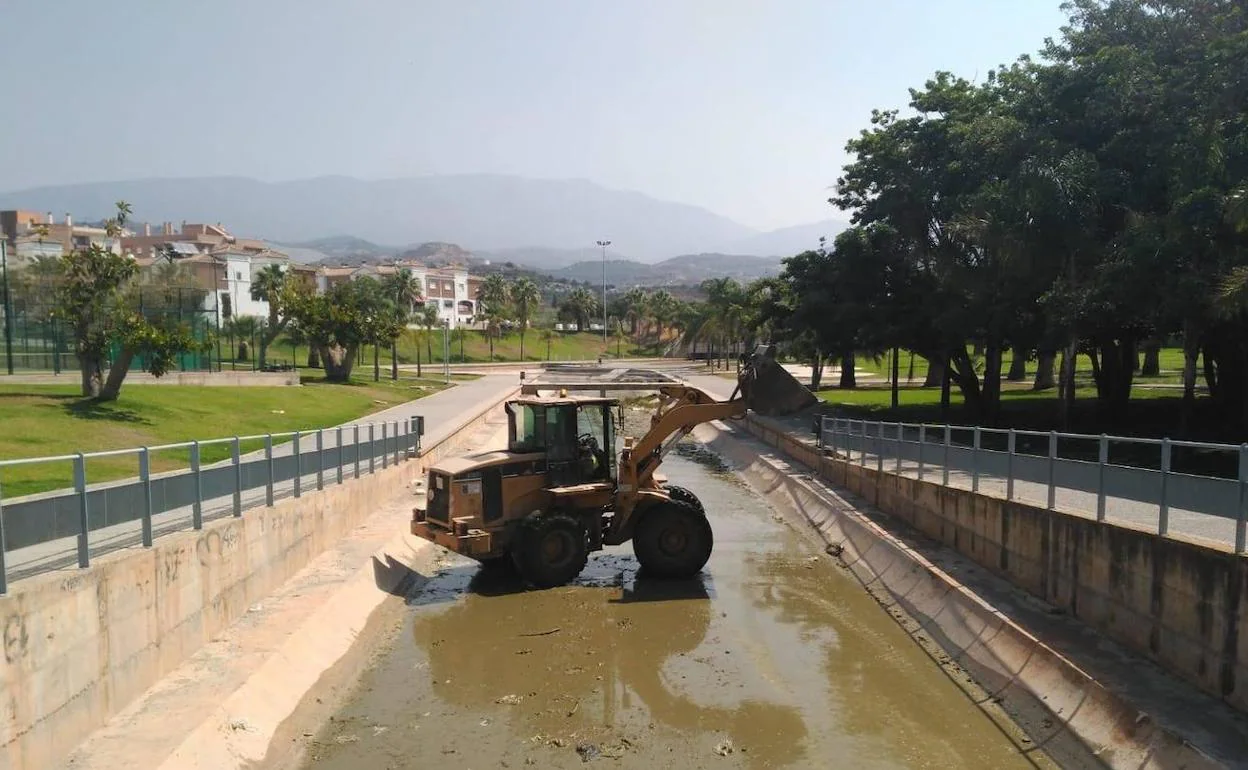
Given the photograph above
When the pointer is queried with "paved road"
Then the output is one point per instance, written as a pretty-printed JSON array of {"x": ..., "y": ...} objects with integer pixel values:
[
  {"x": 444, "y": 412},
  {"x": 1195, "y": 524}
]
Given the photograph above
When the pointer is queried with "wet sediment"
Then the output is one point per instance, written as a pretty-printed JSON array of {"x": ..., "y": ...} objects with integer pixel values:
[{"x": 774, "y": 657}]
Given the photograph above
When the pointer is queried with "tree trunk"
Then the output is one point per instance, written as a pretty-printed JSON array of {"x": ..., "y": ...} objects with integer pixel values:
[
  {"x": 895, "y": 397},
  {"x": 992, "y": 381},
  {"x": 1191, "y": 351},
  {"x": 1018, "y": 365},
  {"x": 1045, "y": 361},
  {"x": 935, "y": 372},
  {"x": 314, "y": 358},
  {"x": 962, "y": 370},
  {"x": 1152, "y": 359},
  {"x": 419, "y": 372},
  {"x": 1113, "y": 380},
  {"x": 816, "y": 371},
  {"x": 242, "y": 350},
  {"x": 92, "y": 375},
  {"x": 376, "y": 365},
  {"x": 945, "y": 382},
  {"x": 429, "y": 345},
  {"x": 116, "y": 375},
  {"x": 338, "y": 362},
  {"x": 394, "y": 360},
  {"x": 521, "y": 342},
  {"x": 1066, "y": 384},
  {"x": 848, "y": 380}
]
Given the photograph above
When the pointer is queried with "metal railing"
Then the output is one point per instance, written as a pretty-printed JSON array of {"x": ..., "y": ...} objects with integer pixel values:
[
  {"x": 1153, "y": 482},
  {"x": 254, "y": 471}
]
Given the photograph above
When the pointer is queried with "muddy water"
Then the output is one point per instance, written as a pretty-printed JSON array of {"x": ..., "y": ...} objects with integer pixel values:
[{"x": 773, "y": 658}]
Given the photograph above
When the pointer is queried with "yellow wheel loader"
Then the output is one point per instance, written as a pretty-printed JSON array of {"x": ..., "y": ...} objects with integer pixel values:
[{"x": 561, "y": 490}]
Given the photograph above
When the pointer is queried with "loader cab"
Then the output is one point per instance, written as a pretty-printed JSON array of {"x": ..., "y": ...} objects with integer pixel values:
[{"x": 576, "y": 435}]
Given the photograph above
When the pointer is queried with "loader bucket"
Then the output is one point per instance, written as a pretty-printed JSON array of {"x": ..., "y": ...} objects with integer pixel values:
[{"x": 769, "y": 389}]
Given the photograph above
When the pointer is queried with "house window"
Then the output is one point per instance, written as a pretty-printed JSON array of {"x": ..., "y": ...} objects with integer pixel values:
[
  {"x": 238, "y": 275},
  {"x": 461, "y": 289},
  {"x": 448, "y": 304}
]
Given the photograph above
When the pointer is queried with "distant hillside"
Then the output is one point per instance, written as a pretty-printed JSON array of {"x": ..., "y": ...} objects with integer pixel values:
[
  {"x": 788, "y": 241},
  {"x": 686, "y": 270},
  {"x": 343, "y": 246}
]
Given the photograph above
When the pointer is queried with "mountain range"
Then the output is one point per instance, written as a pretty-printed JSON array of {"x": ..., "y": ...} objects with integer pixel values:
[{"x": 545, "y": 223}]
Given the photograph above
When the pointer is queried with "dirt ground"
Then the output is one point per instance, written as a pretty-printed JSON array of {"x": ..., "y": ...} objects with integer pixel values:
[{"x": 772, "y": 658}]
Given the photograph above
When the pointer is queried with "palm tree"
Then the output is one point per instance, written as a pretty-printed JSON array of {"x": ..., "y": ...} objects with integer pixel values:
[
  {"x": 524, "y": 298},
  {"x": 492, "y": 301},
  {"x": 267, "y": 286},
  {"x": 581, "y": 306},
  {"x": 404, "y": 290},
  {"x": 243, "y": 328},
  {"x": 427, "y": 319},
  {"x": 635, "y": 302}
]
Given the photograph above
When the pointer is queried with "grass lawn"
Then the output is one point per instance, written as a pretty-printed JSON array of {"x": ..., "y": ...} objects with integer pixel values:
[
  {"x": 1171, "y": 360},
  {"x": 42, "y": 420},
  {"x": 564, "y": 346}
]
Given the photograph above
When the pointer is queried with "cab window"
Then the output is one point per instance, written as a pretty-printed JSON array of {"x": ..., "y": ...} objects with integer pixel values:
[{"x": 529, "y": 429}]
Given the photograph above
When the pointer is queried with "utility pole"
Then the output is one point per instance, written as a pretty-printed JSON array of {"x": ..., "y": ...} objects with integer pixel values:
[
  {"x": 8, "y": 307},
  {"x": 604, "y": 245}
]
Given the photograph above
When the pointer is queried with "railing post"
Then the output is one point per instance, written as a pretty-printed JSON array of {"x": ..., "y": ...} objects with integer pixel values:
[
  {"x": 342, "y": 455},
  {"x": 236, "y": 456},
  {"x": 385, "y": 455},
  {"x": 922, "y": 441},
  {"x": 372, "y": 447},
  {"x": 197, "y": 508},
  {"x": 4, "y": 581},
  {"x": 1241, "y": 518},
  {"x": 1011, "y": 444},
  {"x": 397, "y": 442},
  {"x": 833, "y": 434},
  {"x": 897, "y": 465},
  {"x": 975, "y": 442},
  {"x": 1163, "y": 505},
  {"x": 357, "y": 450},
  {"x": 1052, "y": 469},
  {"x": 945, "y": 475},
  {"x": 1102, "y": 460},
  {"x": 145, "y": 478},
  {"x": 879, "y": 448},
  {"x": 320, "y": 459},
  {"x": 268, "y": 464},
  {"x": 84, "y": 523},
  {"x": 298, "y": 486},
  {"x": 862, "y": 454}
]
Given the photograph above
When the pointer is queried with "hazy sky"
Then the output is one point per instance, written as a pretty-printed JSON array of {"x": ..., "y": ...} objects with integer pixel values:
[{"x": 740, "y": 106}]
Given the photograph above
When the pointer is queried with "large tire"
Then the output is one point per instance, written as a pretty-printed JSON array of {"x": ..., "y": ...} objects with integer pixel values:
[
  {"x": 673, "y": 540},
  {"x": 682, "y": 495},
  {"x": 552, "y": 550}
]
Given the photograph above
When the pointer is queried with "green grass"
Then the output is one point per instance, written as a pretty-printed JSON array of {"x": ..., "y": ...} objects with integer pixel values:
[
  {"x": 1171, "y": 360},
  {"x": 565, "y": 346},
  {"x": 48, "y": 420}
]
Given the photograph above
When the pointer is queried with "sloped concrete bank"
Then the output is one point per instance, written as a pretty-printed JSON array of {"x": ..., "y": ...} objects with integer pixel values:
[
  {"x": 80, "y": 645},
  {"x": 1057, "y": 704}
]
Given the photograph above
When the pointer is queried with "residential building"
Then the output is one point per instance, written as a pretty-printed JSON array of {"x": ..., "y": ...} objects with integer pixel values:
[
  {"x": 44, "y": 236},
  {"x": 449, "y": 289}
]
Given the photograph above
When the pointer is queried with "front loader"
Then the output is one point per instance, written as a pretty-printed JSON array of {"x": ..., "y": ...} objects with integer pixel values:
[{"x": 561, "y": 490}]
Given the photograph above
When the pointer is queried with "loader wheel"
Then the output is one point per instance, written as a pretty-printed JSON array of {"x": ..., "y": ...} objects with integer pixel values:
[
  {"x": 552, "y": 550},
  {"x": 680, "y": 494},
  {"x": 673, "y": 540}
]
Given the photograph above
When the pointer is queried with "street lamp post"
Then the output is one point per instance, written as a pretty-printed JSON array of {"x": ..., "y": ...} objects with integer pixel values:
[
  {"x": 604, "y": 245},
  {"x": 8, "y": 307}
]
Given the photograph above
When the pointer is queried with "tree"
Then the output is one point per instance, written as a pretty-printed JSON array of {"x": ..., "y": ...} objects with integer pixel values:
[
  {"x": 91, "y": 299},
  {"x": 338, "y": 322},
  {"x": 579, "y": 307},
  {"x": 404, "y": 289},
  {"x": 244, "y": 328},
  {"x": 270, "y": 285},
  {"x": 524, "y": 299},
  {"x": 493, "y": 306},
  {"x": 548, "y": 336}
]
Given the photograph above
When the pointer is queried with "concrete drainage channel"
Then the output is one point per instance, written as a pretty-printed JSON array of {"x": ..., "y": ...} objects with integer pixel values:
[
  {"x": 115, "y": 654},
  {"x": 1060, "y": 707}
]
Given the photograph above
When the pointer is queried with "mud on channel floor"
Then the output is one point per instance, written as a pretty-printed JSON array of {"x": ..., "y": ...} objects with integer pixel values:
[{"x": 774, "y": 657}]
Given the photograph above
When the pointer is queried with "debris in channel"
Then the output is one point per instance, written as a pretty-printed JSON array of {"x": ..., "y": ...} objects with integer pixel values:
[
  {"x": 509, "y": 700},
  {"x": 724, "y": 749}
]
